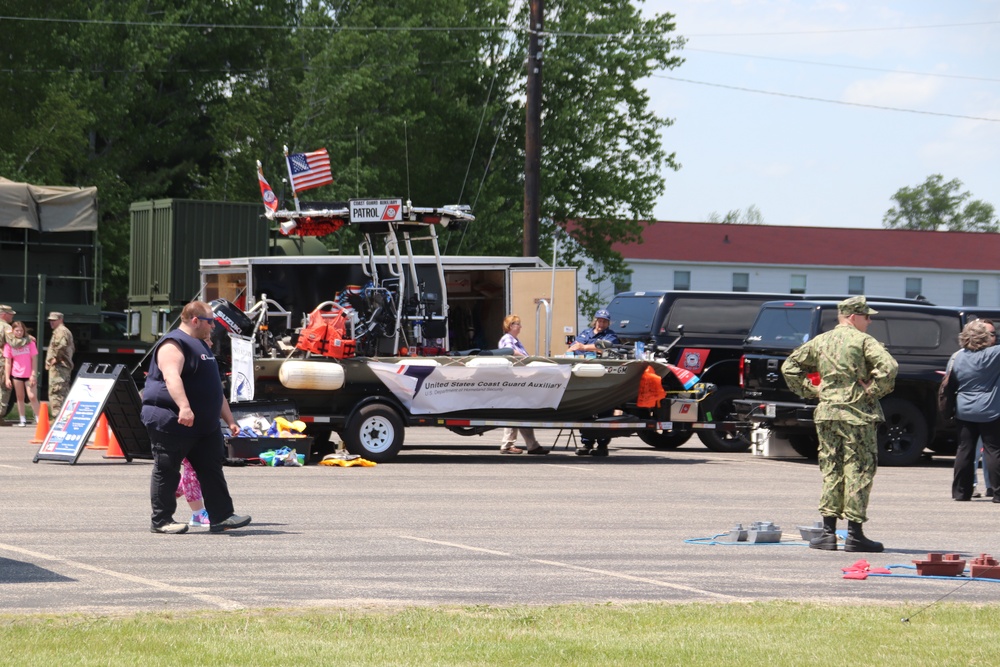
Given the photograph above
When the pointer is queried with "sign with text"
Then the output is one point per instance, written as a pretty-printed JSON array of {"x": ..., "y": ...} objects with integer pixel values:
[
  {"x": 441, "y": 389},
  {"x": 98, "y": 389},
  {"x": 76, "y": 420},
  {"x": 376, "y": 210}
]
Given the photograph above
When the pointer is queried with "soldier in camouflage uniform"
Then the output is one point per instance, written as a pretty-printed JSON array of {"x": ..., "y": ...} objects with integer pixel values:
[
  {"x": 6, "y": 317},
  {"x": 855, "y": 371},
  {"x": 59, "y": 361}
]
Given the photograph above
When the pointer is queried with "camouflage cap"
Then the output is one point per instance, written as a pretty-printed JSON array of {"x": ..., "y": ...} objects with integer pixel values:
[
  {"x": 856, "y": 305},
  {"x": 7, "y": 309},
  {"x": 55, "y": 315}
]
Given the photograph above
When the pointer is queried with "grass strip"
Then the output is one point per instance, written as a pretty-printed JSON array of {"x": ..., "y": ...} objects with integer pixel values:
[{"x": 767, "y": 633}]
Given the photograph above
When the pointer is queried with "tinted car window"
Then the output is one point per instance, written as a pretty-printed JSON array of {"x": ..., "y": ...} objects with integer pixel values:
[
  {"x": 715, "y": 316},
  {"x": 633, "y": 314},
  {"x": 781, "y": 327},
  {"x": 906, "y": 330},
  {"x": 828, "y": 320}
]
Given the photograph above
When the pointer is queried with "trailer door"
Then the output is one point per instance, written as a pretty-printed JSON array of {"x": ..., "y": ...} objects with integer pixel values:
[{"x": 526, "y": 287}]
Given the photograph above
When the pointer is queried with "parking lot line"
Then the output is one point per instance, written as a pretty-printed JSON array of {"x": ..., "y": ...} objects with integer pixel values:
[
  {"x": 222, "y": 603},
  {"x": 578, "y": 568}
]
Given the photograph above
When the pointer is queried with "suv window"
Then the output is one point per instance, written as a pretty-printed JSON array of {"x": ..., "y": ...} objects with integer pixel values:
[
  {"x": 634, "y": 314},
  {"x": 784, "y": 328},
  {"x": 714, "y": 316},
  {"x": 913, "y": 332}
]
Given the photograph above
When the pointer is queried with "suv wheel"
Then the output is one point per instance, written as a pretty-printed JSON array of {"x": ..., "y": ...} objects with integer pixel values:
[
  {"x": 665, "y": 439},
  {"x": 804, "y": 444},
  {"x": 904, "y": 434},
  {"x": 719, "y": 405}
]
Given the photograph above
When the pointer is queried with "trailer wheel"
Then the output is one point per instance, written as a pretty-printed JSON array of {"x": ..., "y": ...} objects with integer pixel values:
[
  {"x": 665, "y": 439},
  {"x": 374, "y": 432},
  {"x": 904, "y": 434},
  {"x": 720, "y": 406}
]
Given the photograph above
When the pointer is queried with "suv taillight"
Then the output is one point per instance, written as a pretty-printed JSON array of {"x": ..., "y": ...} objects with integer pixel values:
[{"x": 743, "y": 362}]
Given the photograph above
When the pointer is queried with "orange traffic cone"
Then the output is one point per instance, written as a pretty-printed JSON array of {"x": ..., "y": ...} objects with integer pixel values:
[
  {"x": 114, "y": 449},
  {"x": 42, "y": 426},
  {"x": 101, "y": 436}
]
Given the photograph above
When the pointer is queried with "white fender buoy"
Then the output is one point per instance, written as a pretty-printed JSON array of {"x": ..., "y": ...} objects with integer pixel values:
[
  {"x": 418, "y": 361},
  {"x": 589, "y": 370},
  {"x": 315, "y": 375},
  {"x": 480, "y": 362}
]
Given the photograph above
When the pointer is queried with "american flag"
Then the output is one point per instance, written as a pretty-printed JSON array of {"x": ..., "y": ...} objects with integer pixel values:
[{"x": 309, "y": 170}]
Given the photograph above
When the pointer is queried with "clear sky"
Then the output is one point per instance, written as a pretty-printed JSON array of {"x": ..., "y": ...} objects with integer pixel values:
[{"x": 823, "y": 161}]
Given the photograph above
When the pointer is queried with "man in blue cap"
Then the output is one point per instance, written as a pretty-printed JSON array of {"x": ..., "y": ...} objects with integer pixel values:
[
  {"x": 600, "y": 330},
  {"x": 587, "y": 342}
]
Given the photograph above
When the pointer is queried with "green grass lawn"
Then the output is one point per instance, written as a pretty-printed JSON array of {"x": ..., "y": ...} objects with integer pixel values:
[{"x": 776, "y": 633}]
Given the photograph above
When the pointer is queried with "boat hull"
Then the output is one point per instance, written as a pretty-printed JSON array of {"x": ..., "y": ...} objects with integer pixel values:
[{"x": 593, "y": 387}]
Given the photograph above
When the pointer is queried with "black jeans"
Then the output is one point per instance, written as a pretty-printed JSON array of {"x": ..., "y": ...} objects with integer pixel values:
[
  {"x": 206, "y": 454},
  {"x": 965, "y": 456}
]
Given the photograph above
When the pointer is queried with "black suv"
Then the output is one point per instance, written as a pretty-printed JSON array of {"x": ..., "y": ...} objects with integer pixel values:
[
  {"x": 715, "y": 324},
  {"x": 921, "y": 338}
]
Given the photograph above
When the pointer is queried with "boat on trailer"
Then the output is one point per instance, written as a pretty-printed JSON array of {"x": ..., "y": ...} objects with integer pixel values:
[{"x": 361, "y": 366}]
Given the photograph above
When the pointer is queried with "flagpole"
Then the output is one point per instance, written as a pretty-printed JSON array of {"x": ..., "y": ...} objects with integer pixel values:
[{"x": 291, "y": 181}]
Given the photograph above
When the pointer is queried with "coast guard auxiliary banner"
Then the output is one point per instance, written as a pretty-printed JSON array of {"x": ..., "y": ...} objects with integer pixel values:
[{"x": 439, "y": 389}]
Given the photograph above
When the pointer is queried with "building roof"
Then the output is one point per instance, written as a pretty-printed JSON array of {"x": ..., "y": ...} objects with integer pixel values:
[{"x": 773, "y": 244}]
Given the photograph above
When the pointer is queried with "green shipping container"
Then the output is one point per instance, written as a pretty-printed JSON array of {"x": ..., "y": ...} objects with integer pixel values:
[{"x": 170, "y": 236}]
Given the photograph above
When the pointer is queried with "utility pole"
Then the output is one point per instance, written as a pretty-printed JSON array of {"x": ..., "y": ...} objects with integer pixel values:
[{"x": 533, "y": 132}]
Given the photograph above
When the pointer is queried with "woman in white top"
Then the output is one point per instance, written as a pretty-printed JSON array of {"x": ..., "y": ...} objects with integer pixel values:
[{"x": 511, "y": 328}]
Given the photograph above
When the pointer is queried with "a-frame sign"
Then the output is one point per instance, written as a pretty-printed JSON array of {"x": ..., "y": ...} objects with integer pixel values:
[{"x": 97, "y": 388}]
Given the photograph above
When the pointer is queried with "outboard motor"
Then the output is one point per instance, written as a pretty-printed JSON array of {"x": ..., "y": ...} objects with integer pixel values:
[
  {"x": 228, "y": 319},
  {"x": 231, "y": 318}
]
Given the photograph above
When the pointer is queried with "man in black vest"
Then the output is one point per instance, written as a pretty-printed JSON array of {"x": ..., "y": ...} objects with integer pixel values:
[{"x": 181, "y": 407}]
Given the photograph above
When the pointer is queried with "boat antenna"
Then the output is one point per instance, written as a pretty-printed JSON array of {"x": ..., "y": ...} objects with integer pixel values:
[
  {"x": 406, "y": 146},
  {"x": 357, "y": 162}
]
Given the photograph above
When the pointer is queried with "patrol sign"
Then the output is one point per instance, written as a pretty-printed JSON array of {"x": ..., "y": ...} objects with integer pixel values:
[{"x": 376, "y": 210}]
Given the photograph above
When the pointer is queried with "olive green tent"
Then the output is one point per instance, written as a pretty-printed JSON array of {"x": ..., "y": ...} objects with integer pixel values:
[{"x": 45, "y": 208}]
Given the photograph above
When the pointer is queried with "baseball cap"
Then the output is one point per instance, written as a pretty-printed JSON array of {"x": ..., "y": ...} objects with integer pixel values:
[
  {"x": 603, "y": 314},
  {"x": 856, "y": 305}
]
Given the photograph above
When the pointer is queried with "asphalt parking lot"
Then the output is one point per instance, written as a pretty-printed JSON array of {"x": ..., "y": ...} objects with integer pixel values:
[{"x": 453, "y": 522}]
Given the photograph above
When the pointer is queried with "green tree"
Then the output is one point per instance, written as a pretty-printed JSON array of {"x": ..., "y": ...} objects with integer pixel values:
[
  {"x": 133, "y": 96},
  {"x": 415, "y": 98},
  {"x": 752, "y": 216},
  {"x": 440, "y": 116},
  {"x": 936, "y": 205}
]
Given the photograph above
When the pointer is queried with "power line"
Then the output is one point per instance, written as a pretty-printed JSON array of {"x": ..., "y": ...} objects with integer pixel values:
[
  {"x": 843, "y": 30},
  {"x": 828, "y": 101},
  {"x": 858, "y": 67},
  {"x": 244, "y": 26},
  {"x": 553, "y": 33},
  {"x": 221, "y": 70}
]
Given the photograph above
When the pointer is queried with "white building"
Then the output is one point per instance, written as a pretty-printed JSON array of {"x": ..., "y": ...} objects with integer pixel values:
[{"x": 947, "y": 268}]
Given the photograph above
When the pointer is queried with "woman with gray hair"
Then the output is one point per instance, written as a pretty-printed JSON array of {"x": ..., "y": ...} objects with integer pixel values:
[{"x": 976, "y": 368}]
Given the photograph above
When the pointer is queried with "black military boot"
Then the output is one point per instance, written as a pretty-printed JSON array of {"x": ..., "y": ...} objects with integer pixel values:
[
  {"x": 856, "y": 540},
  {"x": 828, "y": 540}
]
